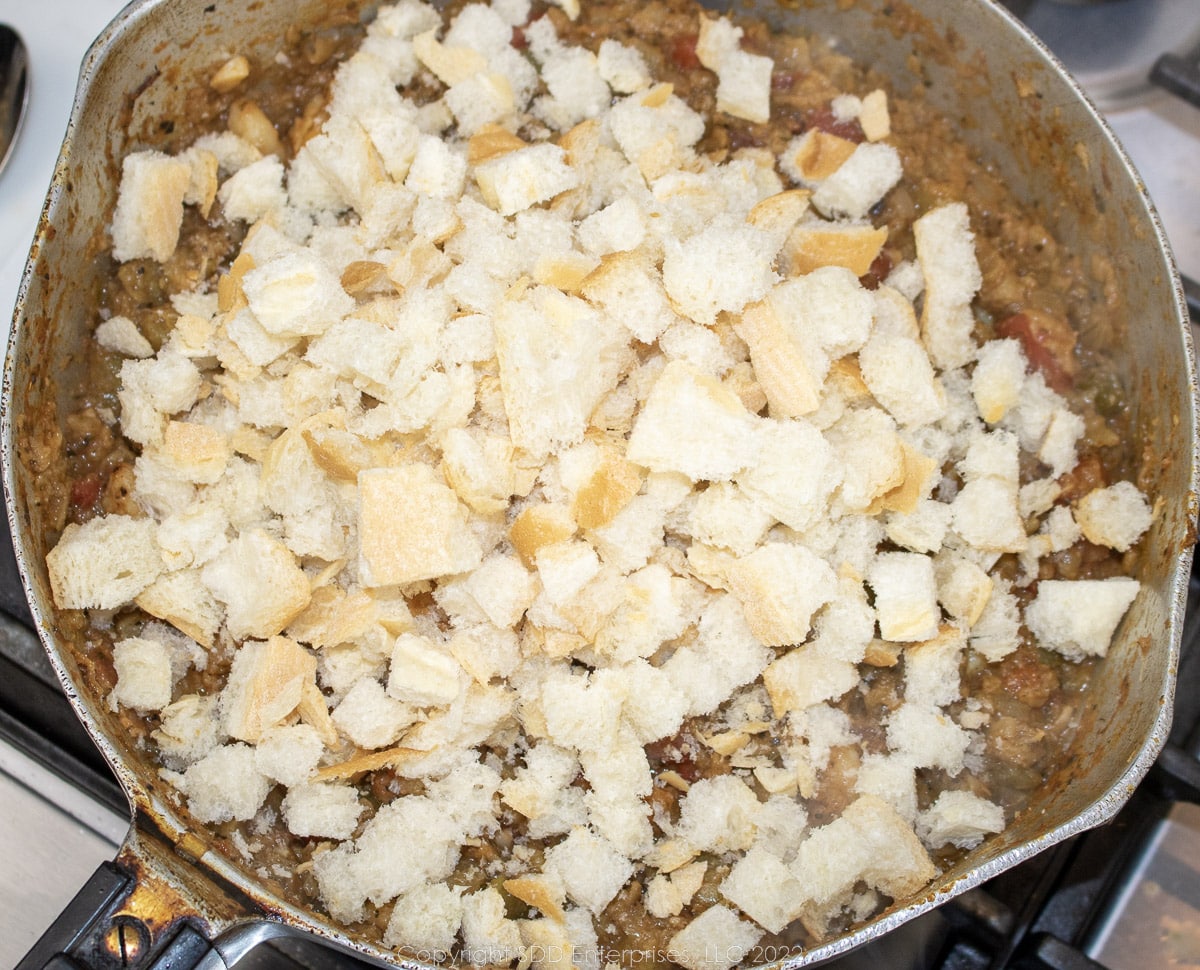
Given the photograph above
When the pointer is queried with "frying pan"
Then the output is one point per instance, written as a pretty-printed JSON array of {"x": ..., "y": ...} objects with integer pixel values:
[{"x": 171, "y": 897}]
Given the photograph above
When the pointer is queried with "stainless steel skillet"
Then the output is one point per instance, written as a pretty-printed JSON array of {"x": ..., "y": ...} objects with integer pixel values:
[{"x": 172, "y": 895}]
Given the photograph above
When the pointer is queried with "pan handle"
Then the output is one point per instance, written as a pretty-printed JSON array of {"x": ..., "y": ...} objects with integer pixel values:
[
  {"x": 132, "y": 915},
  {"x": 96, "y": 930}
]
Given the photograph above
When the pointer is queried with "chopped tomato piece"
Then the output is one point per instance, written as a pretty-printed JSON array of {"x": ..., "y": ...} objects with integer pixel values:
[
  {"x": 825, "y": 120},
  {"x": 683, "y": 52},
  {"x": 880, "y": 268},
  {"x": 673, "y": 753},
  {"x": 85, "y": 491},
  {"x": 1085, "y": 477},
  {"x": 1048, "y": 342}
]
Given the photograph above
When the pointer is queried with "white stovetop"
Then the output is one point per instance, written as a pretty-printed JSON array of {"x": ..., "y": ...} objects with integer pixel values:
[
  {"x": 1162, "y": 136},
  {"x": 57, "y": 33}
]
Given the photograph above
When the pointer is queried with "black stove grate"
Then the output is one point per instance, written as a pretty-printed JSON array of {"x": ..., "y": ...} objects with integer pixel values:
[{"x": 1180, "y": 75}]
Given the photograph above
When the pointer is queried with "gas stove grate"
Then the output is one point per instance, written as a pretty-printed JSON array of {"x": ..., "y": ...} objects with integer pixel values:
[{"x": 1179, "y": 74}]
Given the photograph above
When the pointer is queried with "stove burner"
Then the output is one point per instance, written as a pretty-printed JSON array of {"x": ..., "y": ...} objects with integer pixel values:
[
  {"x": 1179, "y": 75},
  {"x": 1111, "y": 47}
]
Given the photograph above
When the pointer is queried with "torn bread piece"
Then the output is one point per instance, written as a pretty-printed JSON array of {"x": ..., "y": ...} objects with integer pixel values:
[
  {"x": 149, "y": 211},
  {"x": 143, "y": 667},
  {"x": 1116, "y": 516},
  {"x": 946, "y": 252},
  {"x": 783, "y": 362},
  {"x": 104, "y": 562},
  {"x": 720, "y": 268},
  {"x": 780, "y": 587},
  {"x": 122, "y": 336},
  {"x": 814, "y": 244},
  {"x": 549, "y": 406},
  {"x": 516, "y": 180},
  {"x": 259, "y": 582},
  {"x": 265, "y": 686},
  {"x": 744, "y": 79},
  {"x": 411, "y": 527},
  {"x": 693, "y": 425},
  {"x": 960, "y": 818},
  {"x": 1079, "y": 617},
  {"x": 717, "y": 939},
  {"x": 905, "y": 596}
]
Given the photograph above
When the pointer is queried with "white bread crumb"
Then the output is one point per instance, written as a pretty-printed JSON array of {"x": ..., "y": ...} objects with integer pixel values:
[
  {"x": 874, "y": 117},
  {"x": 717, "y": 939},
  {"x": 722, "y": 267},
  {"x": 997, "y": 631},
  {"x": 931, "y": 669},
  {"x": 103, "y": 563},
  {"x": 781, "y": 586},
  {"x": 422, "y": 673},
  {"x": 143, "y": 667},
  {"x": 946, "y": 252},
  {"x": 225, "y": 785},
  {"x": 1079, "y": 617},
  {"x": 188, "y": 728},
  {"x": 369, "y": 717},
  {"x": 902, "y": 379},
  {"x": 718, "y": 814},
  {"x": 724, "y": 515},
  {"x": 655, "y": 133},
  {"x": 892, "y": 779},
  {"x": 517, "y": 180},
  {"x": 998, "y": 378},
  {"x": 964, "y": 587},
  {"x": 871, "y": 842},
  {"x": 121, "y": 336},
  {"x": 321, "y": 810},
  {"x": 149, "y": 210},
  {"x": 795, "y": 474},
  {"x": 257, "y": 579},
  {"x": 254, "y": 192},
  {"x": 871, "y": 171},
  {"x": 549, "y": 407},
  {"x": 693, "y": 425},
  {"x": 622, "y": 67},
  {"x": 591, "y": 869},
  {"x": 765, "y": 889},
  {"x": 154, "y": 388},
  {"x": 266, "y": 684},
  {"x": 426, "y": 919},
  {"x": 577, "y": 91},
  {"x": 743, "y": 79},
  {"x": 803, "y": 677},
  {"x": 289, "y": 754},
  {"x": 1115, "y": 516},
  {"x": 411, "y": 527},
  {"x": 928, "y": 738},
  {"x": 295, "y": 295},
  {"x": 488, "y": 935},
  {"x": 905, "y": 596},
  {"x": 959, "y": 818}
]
